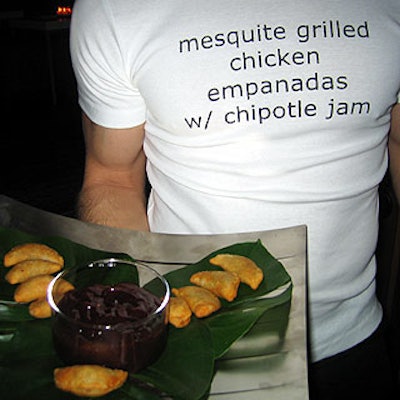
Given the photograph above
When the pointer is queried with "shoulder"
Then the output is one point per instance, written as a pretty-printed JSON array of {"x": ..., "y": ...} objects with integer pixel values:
[{"x": 88, "y": 14}]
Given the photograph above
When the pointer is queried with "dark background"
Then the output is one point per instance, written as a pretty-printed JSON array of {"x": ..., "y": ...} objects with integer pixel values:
[{"x": 41, "y": 140}]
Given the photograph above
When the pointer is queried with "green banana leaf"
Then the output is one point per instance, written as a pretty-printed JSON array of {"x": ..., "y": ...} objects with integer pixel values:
[{"x": 188, "y": 364}]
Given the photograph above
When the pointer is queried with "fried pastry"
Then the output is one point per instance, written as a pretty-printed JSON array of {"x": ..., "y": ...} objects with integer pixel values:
[
  {"x": 222, "y": 283},
  {"x": 201, "y": 301},
  {"x": 247, "y": 270},
  {"x": 32, "y": 289},
  {"x": 89, "y": 380},
  {"x": 24, "y": 270},
  {"x": 31, "y": 251},
  {"x": 35, "y": 288},
  {"x": 179, "y": 312},
  {"x": 40, "y": 308}
]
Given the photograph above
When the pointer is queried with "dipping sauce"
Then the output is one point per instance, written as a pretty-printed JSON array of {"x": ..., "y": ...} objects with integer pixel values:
[{"x": 115, "y": 326}]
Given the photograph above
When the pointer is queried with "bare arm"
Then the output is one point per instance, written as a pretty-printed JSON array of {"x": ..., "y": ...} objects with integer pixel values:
[
  {"x": 394, "y": 150},
  {"x": 113, "y": 190}
]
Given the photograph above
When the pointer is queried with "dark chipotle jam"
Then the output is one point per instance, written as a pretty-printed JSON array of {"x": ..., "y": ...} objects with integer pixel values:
[{"x": 115, "y": 326}]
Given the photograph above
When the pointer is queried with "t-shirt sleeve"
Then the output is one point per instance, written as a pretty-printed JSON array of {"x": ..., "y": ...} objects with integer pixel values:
[{"x": 105, "y": 89}]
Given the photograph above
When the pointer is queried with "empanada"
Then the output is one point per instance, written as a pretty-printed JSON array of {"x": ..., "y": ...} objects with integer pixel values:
[
  {"x": 247, "y": 270},
  {"x": 179, "y": 312},
  {"x": 31, "y": 251},
  {"x": 201, "y": 301},
  {"x": 27, "y": 269},
  {"x": 40, "y": 308},
  {"x": 32, "y": 289},
  {"x": 89, "y": 380},
  {"x": 222, "y": 283},
  {"x": 35, "y": 290}
]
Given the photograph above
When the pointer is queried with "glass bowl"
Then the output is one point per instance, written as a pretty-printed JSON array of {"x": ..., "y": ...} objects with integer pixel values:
[{"x": 115, "y": 316}]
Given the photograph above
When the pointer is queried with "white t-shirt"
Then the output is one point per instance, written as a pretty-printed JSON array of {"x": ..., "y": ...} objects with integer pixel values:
[{"x": 259, "y": 115}]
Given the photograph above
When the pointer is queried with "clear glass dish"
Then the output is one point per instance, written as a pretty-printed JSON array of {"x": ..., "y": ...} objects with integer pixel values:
[{"x": 116, "y": 315}]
